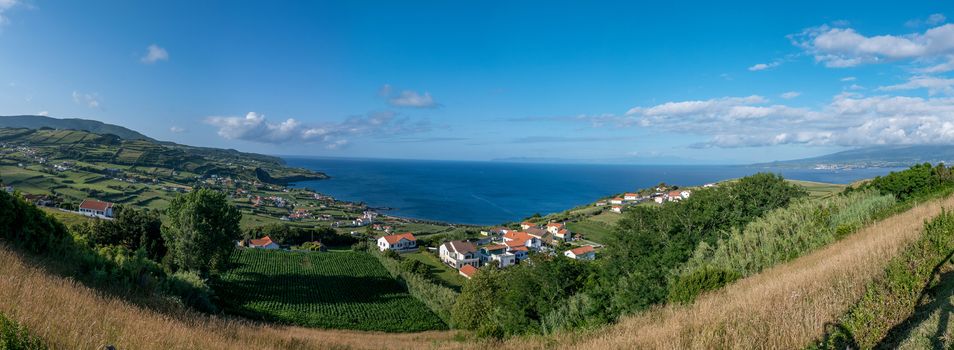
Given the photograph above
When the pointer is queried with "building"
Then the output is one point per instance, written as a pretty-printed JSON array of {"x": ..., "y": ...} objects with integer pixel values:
[
  {"x": 263, "y": 243},
  {"x": 630, "y": 196},
  {"x": 499, "y": 253},
  {"x": 617, "y": 209},
  {"x": 564, "y": 234},
  {"x": 468, "y": 271},
  {"x": 399, "y": 242},
  {"x": 517, "y": 239},
  {"x": 554, "y": 227},
  {"x": 581, "y": 253},
  {"x": 617, "y": 200},
  {"x": 459, "y": 253},
  {"x": 92, "y": 207},
  {"x": 526, "y": 225}
]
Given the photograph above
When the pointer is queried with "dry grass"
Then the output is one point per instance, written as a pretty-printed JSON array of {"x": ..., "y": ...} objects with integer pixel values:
[
  {"x": 784, "y": 307},
  {"x": 68, "y": 315}
]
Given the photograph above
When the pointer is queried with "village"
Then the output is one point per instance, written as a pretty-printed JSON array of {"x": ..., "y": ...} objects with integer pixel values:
[{"x": 461, "y": 248}]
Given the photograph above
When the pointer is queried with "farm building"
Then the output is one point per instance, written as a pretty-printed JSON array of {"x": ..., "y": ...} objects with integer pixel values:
[
  {"x": 399, "y": 242},
  {"x": 263, "y": 243},
  {"x": 94, "y": 207},
  {"x": 582, "y": 253}
]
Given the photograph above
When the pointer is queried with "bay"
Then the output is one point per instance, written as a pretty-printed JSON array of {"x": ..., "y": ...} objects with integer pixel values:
[{"x": 490, "y": 193}]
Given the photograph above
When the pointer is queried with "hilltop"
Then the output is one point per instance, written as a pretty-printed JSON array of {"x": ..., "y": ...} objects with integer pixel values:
[
  {"x": 873, "y": 157},
  {"x": 93, "y": 126}
]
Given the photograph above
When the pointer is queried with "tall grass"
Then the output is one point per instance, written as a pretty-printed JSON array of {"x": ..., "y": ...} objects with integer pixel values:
[
  {"x": 876, "y": 320},
  {"x": 787, "y": 233},
  {"x": 438, "y": 298},
  {"x": 783, "y": 307}
]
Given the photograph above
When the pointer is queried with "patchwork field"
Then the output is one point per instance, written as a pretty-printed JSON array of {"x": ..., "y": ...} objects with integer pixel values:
[{"x": 343, "y": 289}]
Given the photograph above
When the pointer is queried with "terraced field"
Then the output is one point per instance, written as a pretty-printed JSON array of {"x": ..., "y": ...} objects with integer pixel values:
[{"x": 343, "y": 290}]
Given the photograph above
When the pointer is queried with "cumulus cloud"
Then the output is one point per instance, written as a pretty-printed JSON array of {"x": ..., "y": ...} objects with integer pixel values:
[
  {"x": 90, "y": 100},
  {"x": 790, "y": 95},
  {"x": 154, "y": 54},
  {"x": 407, "y": 98},
  {"x": 934, "y": 85},
  {"x": 933, "y": 19},
  {"x": 849, "y": 119},
  {"x": 43, "y": 113},
  {"x": 764, "y": 66},
  {"x": 255, "y": 127},
  {"x": 844, "y": 47},
  {"x": 177, "y": 130}
]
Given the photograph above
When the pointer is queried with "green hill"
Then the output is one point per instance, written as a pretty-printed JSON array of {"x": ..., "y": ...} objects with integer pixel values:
[{"x": 93, "y": 126}]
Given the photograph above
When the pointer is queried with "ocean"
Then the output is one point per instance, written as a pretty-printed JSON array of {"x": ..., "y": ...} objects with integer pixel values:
[{"x": 490, "y": 193}]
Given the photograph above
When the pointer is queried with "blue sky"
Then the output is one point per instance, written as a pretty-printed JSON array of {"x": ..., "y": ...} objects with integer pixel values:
[{"x": 475, "y": 80}]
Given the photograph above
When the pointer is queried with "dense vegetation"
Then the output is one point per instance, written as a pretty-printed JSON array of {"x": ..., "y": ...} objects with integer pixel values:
[
  {"x": 918, "y": 180},
  {"x": 342, "y": 289},
  {"x": 15, "y": 337},
  {"x": 633, "y": 273},
  {"x": 888, "y": 309},
  {"x": 780, "y": 235}
]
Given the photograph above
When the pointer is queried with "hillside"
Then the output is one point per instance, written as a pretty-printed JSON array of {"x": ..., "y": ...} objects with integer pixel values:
[
  {"x": 880, "y": 156},
  {"x": 93, "y": 126}
]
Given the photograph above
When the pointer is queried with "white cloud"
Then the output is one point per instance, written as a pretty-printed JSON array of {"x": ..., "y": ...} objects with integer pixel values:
[
  {"x": 940, "y": 67},
  {"x": 931, "y": 20},
  {"x": 90, "y": 100},
  {"x": 764, "y": 66},
  {"x": 255, "y": 127},
  {"x": 934, "y": 85},
  {"x": 790, "y": 95},
  {"x": 849, "y": 119},
  {"x": 154, "y": 54},
  {"x": 849, "y": 79},
  {"x": 845, "y": 47},
  {"x": 43, "y": 113},
  {"x": 407, "y": 98},
  {"x": 177, "y": 130},
  {"x": 6, "y": 5}
]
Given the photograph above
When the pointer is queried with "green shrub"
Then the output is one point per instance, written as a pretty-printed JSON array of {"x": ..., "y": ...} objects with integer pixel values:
[
  {"x": 15, "y": 337},
  {"x": 688, "y": 286},
  {"x": 191, "y": 289},
  {"x": 438, "y": 298}
]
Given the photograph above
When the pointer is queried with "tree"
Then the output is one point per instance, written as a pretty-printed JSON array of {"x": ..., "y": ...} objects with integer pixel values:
[
  {"x": 201, "y": 230},
  {"x": 133, "y": 229}
]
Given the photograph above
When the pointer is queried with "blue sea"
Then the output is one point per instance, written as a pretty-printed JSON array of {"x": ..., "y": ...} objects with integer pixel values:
[{"x": 490, "y": 193}]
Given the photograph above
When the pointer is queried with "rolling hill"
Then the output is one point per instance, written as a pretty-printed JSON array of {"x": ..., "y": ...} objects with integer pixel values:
[
  {"x": 93, "y": 126},
  {"x": 879, "y": 156}
]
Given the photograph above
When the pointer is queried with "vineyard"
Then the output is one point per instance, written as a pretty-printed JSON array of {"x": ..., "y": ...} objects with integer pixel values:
[{"x": 345, "y": 290}]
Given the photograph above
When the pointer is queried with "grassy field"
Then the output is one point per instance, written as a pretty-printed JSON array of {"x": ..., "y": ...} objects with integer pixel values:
[
  {"x": 819, "y": 189},
  {"x": 67, "y": 219},
  {"x": 345, "y": 290},
  {"x": 445, "y": 274},
  {"x": 592, "y": 230}
]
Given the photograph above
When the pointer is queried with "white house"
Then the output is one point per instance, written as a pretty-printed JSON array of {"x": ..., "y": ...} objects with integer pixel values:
[
  {"x": 526, "y": 225},
  {"x": 94, "y": 207},
  {"x": 399, "y": 242},
  {"x": 564, "y": 234},
  {"x": 685, "y": 194},
  {"x": 498, "y": 253},
  {"x": 659, "y": 200},
  {"x": 554, "y": 227},
  {"x": 459, "y": 253},
  {"x": 581, "y": 253},
  {"x": 617, "y": 209},
  {"x": 630, "y": 196},
  {"x": 616, "y": 200},
  {"x": 263, "y": 243},
  {"x": 674, "y": 196}
]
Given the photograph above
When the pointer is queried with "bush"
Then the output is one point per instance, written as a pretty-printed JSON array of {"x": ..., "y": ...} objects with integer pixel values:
[
  {"x": 688, "y": 286},
  {"x": 416, "y": 267},
  {"x": 15, "y": 337},
  {"x": 191, "y": 289},
  {"x": 438, "y": 298}
]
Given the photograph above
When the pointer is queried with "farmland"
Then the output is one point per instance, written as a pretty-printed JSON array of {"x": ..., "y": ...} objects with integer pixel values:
[{"x": 343, "y": 290}]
